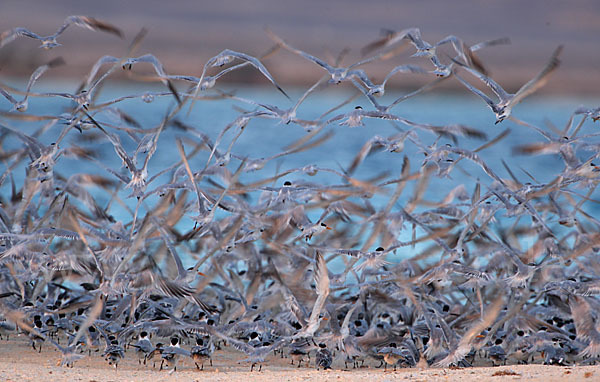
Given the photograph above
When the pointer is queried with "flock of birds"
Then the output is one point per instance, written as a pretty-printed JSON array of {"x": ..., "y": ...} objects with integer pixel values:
[{"x": 496, "y": 271}]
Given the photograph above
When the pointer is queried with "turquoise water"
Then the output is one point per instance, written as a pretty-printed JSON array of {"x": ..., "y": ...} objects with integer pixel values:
[{"x": 264, "y": 137}]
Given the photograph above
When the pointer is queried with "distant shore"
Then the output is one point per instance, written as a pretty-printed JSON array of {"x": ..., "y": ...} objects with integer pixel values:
[{"x": 185, "y": 36}]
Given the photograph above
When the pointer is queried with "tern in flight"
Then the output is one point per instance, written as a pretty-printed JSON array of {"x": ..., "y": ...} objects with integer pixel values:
[{"x": 507, "y": 101}]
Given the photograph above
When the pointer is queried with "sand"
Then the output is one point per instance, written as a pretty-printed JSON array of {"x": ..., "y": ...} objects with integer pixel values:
[{"x": 19, "y": 362}]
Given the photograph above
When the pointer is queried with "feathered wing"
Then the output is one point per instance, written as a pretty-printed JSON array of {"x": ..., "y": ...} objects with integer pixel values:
[
  {"x": 94, "y": 313},
  {"x": 466, "y": 342},
  {"x": 473, "y": 89},
  {"x": 11, "y": 34},
  {"x": 404, "y": 69},
  {"x": 91, "y": 24},
  {"x": 493, "y": 85},
  {"x": 585, "y": 326},
  {"x": 9, "y": 97},
  {"x": 258, "y": 65},
  {"x": 540, "y": 80},
  {"x": 322, "y": 286},
  {"x": 41, "y": 70},
  {"x": 390, "y": 38},
  {"x": 299, "y": 52}
]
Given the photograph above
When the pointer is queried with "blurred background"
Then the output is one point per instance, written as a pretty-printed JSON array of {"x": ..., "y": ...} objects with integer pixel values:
[{"x": 184, "y": 34}]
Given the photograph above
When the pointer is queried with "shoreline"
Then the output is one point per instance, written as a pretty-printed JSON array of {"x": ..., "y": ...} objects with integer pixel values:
[{"x": 19, "y": 362}]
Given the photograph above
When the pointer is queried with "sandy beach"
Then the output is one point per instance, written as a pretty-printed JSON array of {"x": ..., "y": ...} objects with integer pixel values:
[{"x": 19, "y": 362}]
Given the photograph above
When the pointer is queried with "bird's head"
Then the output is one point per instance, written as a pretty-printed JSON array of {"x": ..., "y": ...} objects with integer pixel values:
[
  {"x": 501, "y": 115},
  {"x": 49, "y": 44}
]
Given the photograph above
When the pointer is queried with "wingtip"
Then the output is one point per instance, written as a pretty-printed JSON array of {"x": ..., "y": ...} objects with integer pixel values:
[
  {"x": 559, "y": 49},
  {"x": 174, "y": 92},
  {"x": 58, "y": 61},
  {"x": 284, "y": 93},
  {"x": 556, "y": 54}
]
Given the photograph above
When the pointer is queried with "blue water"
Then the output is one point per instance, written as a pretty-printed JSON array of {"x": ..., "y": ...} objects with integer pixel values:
[{"x": 265, "y": 137}]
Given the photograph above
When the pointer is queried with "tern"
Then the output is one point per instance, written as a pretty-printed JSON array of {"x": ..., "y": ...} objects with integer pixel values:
[
  {"x": 22, "y": 104},
  {"x": 49, "y": 42},
  {"x": 506, "y": 101}
]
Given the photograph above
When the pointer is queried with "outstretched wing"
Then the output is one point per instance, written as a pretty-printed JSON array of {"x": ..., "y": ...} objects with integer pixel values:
[
  {"x": 540, "y": 80},
  {"x": 11, "y": 34},
  {"x": 89, "y": 23}
]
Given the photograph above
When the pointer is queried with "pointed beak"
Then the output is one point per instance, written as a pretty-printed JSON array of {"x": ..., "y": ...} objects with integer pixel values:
[{"x": 201, "y": 274}]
